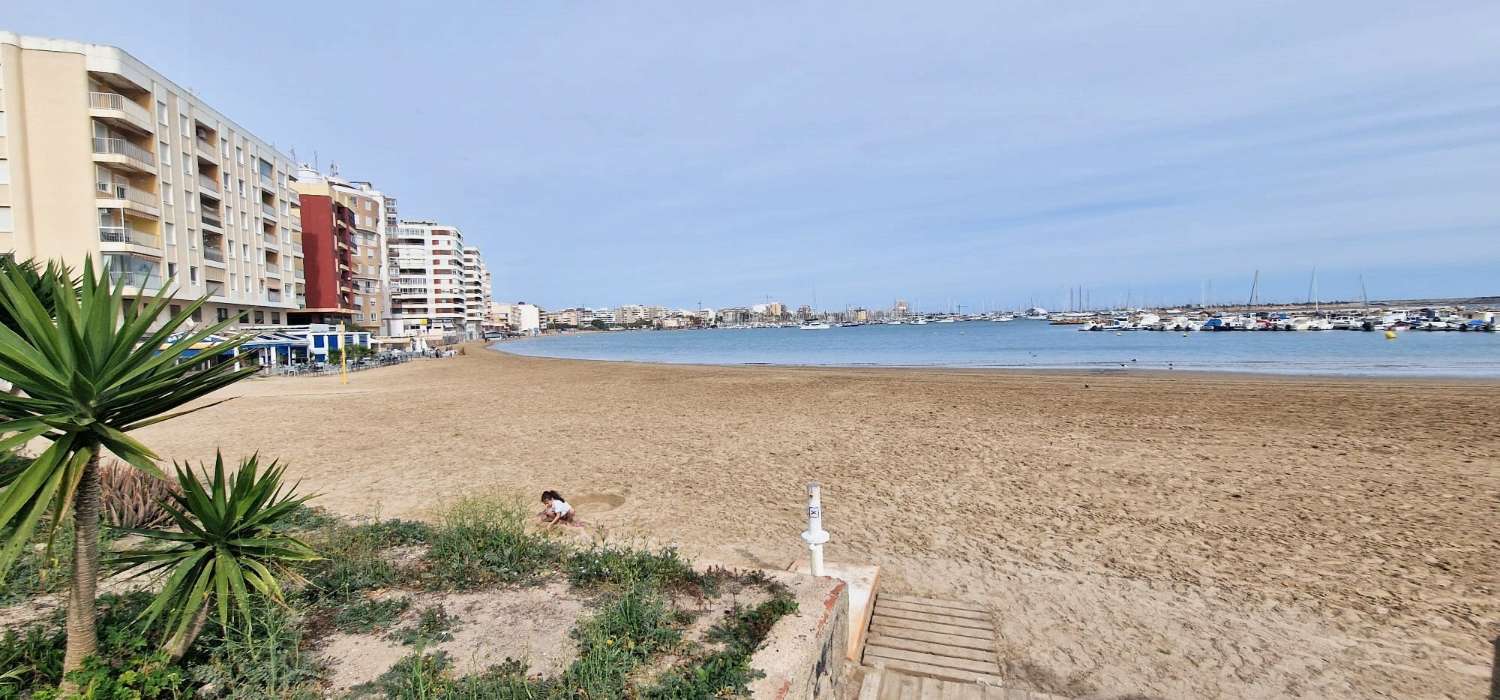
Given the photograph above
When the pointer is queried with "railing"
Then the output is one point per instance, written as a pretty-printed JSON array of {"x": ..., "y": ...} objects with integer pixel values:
[
  {"x": 121, "y": 147},
  {"x": 297, "y": 248},
  {"x": 207, "y": 183},
  {"x": 214, "y": 254},
  {"x": 207, "y": 148},
  {"x": 268, "y": 209},
  {"x": 301, "y": 300},
  {"x": 107, "y": 191},
  {"x": 215, "y": 289},
  {"x": 267, "y": 180},
  {"x": 140, "y": 280},
  {"x": 211, "y": 219},
  {"x": 273, "y": 269},
  {"x": 300, "y": 273},
  {"x": 271, "y": 240},
  {"x": 116, "y": 101},
  {"x": 125, "y": 234},
  {"x": 273, "y": 295}
]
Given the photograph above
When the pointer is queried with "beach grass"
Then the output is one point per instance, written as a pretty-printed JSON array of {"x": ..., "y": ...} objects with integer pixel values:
[{"x": 643, "y": 603}]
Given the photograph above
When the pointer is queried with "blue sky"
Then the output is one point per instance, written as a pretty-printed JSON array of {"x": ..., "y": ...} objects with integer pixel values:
[{"x": 985, "y": 153}]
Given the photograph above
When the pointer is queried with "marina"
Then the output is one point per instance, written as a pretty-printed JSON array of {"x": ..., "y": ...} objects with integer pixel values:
[{"x": 1034, "y": 344}]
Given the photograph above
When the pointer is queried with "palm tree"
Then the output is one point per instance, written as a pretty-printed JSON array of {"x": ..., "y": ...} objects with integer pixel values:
[
  {"x": 226, "y": 544},
  {"x": 90, "y": 371}
]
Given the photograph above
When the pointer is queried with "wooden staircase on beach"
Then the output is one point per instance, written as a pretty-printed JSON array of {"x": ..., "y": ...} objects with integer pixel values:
[{"x": 927, "y": 649}]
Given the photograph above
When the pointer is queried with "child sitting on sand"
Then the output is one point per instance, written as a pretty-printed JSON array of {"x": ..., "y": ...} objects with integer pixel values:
[{"x": 557, "y": 510}]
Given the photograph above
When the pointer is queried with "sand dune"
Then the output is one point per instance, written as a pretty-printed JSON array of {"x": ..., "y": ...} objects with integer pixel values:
[{"x": 1165, "y": 535}]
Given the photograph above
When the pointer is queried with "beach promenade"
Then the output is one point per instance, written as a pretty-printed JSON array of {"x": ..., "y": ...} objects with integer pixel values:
[{"x": 1162, "y": 535}]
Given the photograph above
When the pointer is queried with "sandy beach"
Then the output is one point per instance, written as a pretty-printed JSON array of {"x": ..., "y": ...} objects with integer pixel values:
[{"x": 1147, "y": 535}]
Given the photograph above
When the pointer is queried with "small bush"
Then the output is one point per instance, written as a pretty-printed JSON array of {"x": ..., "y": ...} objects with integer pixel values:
[
  {"x": 727, "y": 672},
  {"x": 264, "y": 659},
  {"x": 369, "y": 615},
  {"x": 481, "y": 542},
  {"x": 352, "y": 563},
  {"x": 306, "y": 517},
  {"x": 619, "y": 566},
  {"x": 434, "y": 625},
  {"x": 397, "y": 533},
  {"x": 38, "y": 650},
  {"x": 132, "y": 498},
  {"x": 617, "y": 639}
]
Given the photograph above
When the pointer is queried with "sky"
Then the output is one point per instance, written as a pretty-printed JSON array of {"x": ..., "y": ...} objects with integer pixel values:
[{"x": 990, "y": 154}]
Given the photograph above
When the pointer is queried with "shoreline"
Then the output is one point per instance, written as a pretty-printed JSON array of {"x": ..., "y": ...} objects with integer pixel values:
[
  {"x": 1167, "y": 534},
  {"x": 1039, "y": 370}
]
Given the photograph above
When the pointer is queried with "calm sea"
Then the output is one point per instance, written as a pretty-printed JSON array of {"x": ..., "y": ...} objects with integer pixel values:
[{"x": 1035, "y": 344}]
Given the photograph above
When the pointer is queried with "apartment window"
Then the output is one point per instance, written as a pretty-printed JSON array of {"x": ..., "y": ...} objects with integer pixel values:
[
  {"x": 7, "y": 222},
  {"x": 198, "y": 314},
  {"x": 223, "y": 314},
  {"x": 2, "y": 123},
  {"x": 187, "y": 168},
  {"x": 192, "y": 235},
  {"x": 245, "y": 250},
  {"x": 169, "y": 232},
  {"x": 161, "y": 111},
  {"x": 166, "y": 194},
  {"x": 276, "y": 317},
  {"x": 166, "y": 154},
  {"x": 241, "y": 187},
  {"x": 260, "y": 317},
  {"x": 239, "y": 157},
  {"x": 187, "y": 126},
  {"x": 224, "y": 151},
  {"x": 233, "y": 281},
  {"x": 172, "y": 275},
  {"x": 193, "y": 274}
]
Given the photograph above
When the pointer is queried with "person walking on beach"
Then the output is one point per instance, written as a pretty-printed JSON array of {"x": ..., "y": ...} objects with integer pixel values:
[{"x": 557, "y": 510}]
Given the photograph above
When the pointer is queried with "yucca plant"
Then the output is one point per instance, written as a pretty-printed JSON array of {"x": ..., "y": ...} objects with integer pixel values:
[
  {"x": 226, "y": 545},
  {"x": 132, "y": 498},
  {"x": 89, "y": 370}
]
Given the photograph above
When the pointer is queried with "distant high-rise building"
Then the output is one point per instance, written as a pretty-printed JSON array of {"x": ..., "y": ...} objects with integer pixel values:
[
  {"x": 428, "y": 295},
  {"x": 900, "y": 309}
]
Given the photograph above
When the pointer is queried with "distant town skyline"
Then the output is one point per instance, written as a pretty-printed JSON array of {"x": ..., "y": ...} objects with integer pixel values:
[{"x": 993, "y": 153}]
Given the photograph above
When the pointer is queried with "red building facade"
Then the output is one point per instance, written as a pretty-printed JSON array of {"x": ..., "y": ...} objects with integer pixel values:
[{"x": 328, "y": 244}]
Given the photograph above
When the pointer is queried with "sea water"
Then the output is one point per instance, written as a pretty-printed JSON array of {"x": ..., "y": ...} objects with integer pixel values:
[{"x": 1039, "y": 345}]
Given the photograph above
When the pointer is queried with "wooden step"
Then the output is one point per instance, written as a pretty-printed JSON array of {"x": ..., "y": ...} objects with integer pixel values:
[
  {"x": 898, "y": 623},
  {"x": 952, "y": 640},
  {"x": 986, "y": 666},
  {"x": 938, "y": 648},
  {"x": 923, "y": 670},
  {"x": 898, "y": 613},
  {"x": 951, "y": 604},
  {"x": 936, "y": 610}
]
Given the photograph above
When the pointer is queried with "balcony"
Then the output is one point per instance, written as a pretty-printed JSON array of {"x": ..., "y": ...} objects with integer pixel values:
[
  {"x": 273, "y": 295},
  {"x": 139, "y": 280},
  {"x": 302, "y": 300},
  {"x": 297, "y": 248},
  {"x": 122, "y": 153},
  {"x": 265, "y": 181},
  {"x": 210, "y": 219},
  {"x": 129, "y": 236},
  {"x": 299, "y": 273},
  {"x": 268, "y": 210},
  {"x": 207, "y": 150},
  {"x": 213, "y": 253},
  {"x": 215, "y": 289},
  {"x": 273, "y": 269},
  {"x": 138, "y": 201},
  {"x": 269, "y": 240},
  {"x": 208, "y": 186},
  {"x": 119, "y": 110}
]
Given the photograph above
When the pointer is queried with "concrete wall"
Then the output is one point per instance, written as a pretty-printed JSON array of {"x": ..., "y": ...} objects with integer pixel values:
[{"x": 804, "y": 656}]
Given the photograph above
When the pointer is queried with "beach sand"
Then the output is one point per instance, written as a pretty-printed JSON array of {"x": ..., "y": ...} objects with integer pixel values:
[{"x": 1173, "y": 535}]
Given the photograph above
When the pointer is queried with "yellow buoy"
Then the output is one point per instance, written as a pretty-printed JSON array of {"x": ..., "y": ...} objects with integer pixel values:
[{"x": 1390, "y": 335}]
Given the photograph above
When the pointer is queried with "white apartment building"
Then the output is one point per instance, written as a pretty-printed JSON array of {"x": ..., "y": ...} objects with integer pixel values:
[
  {"x": 476, "y": 292},
  {"x": 426, "y": 267},
  {"x": 520, "y": 316},
  {"x": 102, "y": 156}
]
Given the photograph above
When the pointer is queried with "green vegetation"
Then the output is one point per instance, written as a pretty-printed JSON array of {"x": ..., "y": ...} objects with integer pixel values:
[
  {"x": 86, "y": 368},
  {"x": 434, "y": 625},
  {"x": 226, "y": 546},
  {"x": 370, "y": 615},
  {"x": 486, "y": 541}
]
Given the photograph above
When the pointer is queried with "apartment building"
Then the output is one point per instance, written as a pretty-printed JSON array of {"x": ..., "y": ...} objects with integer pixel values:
[
  {"x": 346, "y": 224},
  {"x": 102, "y": 156},
  {"x": 476, "y": 292},
  {"x": 426, "y": 269},
  {"x": 520, "y": 316}
]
